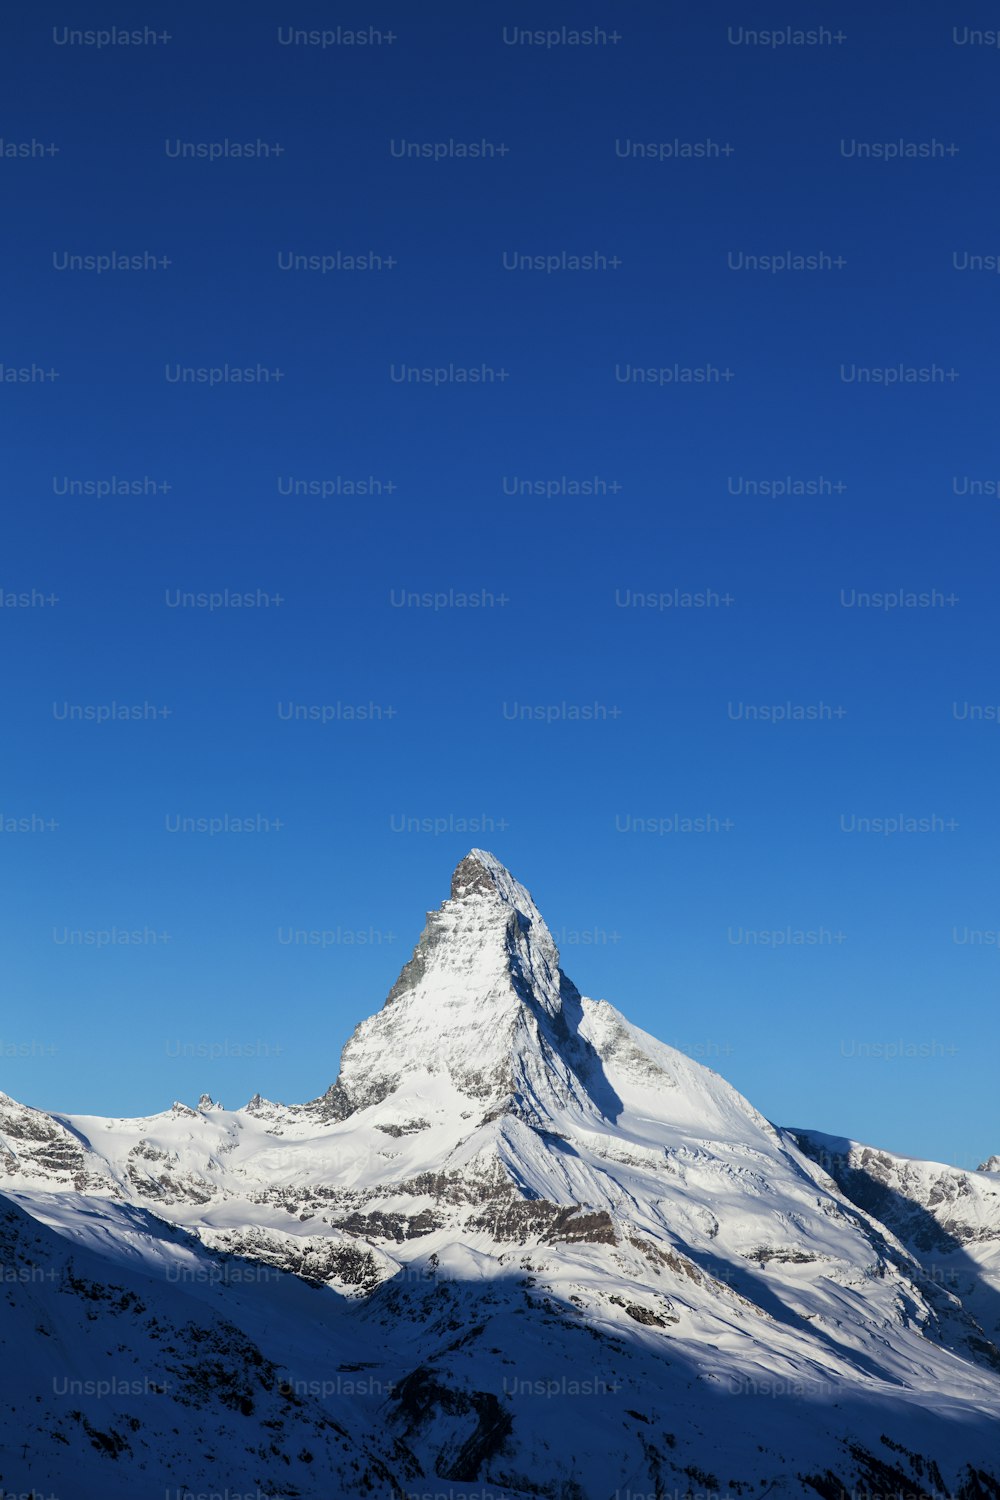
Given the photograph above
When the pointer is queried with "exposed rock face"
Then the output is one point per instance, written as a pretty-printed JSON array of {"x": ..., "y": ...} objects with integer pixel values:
[
  {"x": 34, "y": 1147},
  {"x": 517, "y": 1244},
  {"x": 480, "y": 874},
  {"x": 947, "y": 1218},
  {"x": 320, "y": 1260}
]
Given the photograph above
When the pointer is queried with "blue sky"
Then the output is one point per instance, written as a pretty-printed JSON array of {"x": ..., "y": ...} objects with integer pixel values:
[{"x": 884, "y": 1026}]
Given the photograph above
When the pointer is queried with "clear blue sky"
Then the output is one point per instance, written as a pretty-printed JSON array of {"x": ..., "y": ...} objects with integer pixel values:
[{"x": 804, "y": 1031}]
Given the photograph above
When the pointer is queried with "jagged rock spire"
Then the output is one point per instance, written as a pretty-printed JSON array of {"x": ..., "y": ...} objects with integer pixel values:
[{"x": 482, "y": 1002}]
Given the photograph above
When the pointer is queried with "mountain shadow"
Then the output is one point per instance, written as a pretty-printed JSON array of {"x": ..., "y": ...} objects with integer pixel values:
[{"x": 947, "y": 1266}]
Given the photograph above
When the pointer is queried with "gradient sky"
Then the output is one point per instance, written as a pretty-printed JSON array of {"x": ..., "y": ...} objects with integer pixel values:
[{"x": 886, "y": 1027}]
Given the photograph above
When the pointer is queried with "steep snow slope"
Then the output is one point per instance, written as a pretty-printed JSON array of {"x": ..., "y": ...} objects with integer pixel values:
[
  {"x": 947, "y": 1218},
  {"x": 510, "y": 1193},
  {"x": 126, "y": 1371}
]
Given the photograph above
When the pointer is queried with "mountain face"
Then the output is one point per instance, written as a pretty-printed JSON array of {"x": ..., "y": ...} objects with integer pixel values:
[
  {"x": 518, "y": 1248},
  {"x": 948, "y": 1220}
]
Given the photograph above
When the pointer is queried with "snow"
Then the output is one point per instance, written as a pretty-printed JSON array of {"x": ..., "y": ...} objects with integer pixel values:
[{"x": 510, "y": 1192}]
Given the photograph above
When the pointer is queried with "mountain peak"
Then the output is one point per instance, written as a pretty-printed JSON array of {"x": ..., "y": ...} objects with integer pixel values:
[
  {"x": 688, "y": 1262},
  {"x": 481, "y": 873},
  {"x": 475, "y": 1003}
]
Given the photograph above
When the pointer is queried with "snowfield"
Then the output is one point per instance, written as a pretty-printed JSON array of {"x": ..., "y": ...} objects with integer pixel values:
[{"x": 518, "y": 1248}]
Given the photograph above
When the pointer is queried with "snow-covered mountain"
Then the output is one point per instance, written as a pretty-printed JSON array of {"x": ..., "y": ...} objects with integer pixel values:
[{"x": 518, "y": 1248}]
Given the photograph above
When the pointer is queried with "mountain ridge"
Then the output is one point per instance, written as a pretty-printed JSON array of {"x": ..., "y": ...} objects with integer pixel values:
[{"x": 507, "y": 1178}]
